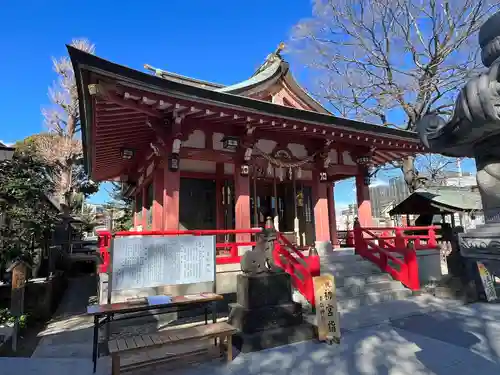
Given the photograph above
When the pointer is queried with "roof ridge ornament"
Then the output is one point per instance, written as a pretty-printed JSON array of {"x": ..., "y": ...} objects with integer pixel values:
[
  {"x": 281, "y": 47},
  {"x": 156, "y": 71}
]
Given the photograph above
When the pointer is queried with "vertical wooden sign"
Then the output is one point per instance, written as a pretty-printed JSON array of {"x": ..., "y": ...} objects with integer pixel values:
[
  {"x": 327, "y": 314},
  {"x": 18, "y": 284},
  {"x": 19, "y": 270}
]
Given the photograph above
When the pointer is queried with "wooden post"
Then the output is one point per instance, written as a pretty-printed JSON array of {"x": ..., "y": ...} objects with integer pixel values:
[
  {"x": 19, "y": 269},
  {"x": 219, "y": 198},
  {"x": 255, "y": 199},
  {"x": 157, "y": 207},
  {"x": 276, "y": 208},
  {"x": 171, "y": 187},
  {"x": 242, "y": 207},
  {"x": 296, "y": 222},
  {"x": 320, "y": 204},
  {"x": 363, "y": 201}
]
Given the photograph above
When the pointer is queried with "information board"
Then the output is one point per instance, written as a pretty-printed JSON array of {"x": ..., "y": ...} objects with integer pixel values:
[{"x": 151, "y": 261}]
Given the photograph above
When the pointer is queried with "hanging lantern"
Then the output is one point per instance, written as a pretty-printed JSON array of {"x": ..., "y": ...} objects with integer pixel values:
[
  {"x": 173, "y": 162},
  {"x": 299, "y": 173},
  {"x": 363, "y": 160},
  {"x": 290, "y": 173},
  {"x": 126, "y": 154},
  {"x": 230, "y": 143},
  {"x": 245, "y": 170},
  {"x": 300, "y": 199}
]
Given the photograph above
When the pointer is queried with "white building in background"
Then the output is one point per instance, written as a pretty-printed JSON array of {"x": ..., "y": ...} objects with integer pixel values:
[
  {"x": 346, "y": 217},
  {"x": 465, "y": 180}
]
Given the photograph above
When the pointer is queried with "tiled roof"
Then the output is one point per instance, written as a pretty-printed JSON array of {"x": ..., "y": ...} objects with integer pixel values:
[{"x": 440, "y": 199}]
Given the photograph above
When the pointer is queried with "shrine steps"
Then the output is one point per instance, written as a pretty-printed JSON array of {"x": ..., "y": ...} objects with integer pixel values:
[{"x": 359, "y": 282}]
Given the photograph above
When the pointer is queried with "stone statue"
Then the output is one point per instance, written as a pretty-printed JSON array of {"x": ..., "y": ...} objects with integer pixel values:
[
  {"x": 474, "y": 128},
  {"x": 474, "y": 131},
  {"x": 260, "y": 259}
]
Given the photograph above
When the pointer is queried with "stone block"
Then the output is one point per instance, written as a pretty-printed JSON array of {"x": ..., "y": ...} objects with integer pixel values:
[
  {"x": 266, "y": 289},
  {"x": 251, "y": 342},
  {"x": 265, "y": 318}
]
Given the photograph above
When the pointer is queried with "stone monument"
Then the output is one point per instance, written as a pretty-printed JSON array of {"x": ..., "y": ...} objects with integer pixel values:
[
  {"x": 265, "y": 314},
  {"x": 474, "y": 131}
]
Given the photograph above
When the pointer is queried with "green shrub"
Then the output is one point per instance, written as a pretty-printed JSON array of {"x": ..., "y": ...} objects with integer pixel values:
[{"x": 7, "y": 318}]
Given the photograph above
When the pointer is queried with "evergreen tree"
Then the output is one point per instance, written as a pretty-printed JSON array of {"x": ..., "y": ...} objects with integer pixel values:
[
  {"x": 120, "y": 209},
  {"x": 30, "y": 215}
]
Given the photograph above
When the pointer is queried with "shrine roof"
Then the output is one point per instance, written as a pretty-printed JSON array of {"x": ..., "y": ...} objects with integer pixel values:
[
  {"x": 273, "y": 69},
  {"x": 170, "y": 76},
  {"x": 439, "y": 200},
  {"x": 130, "y": 97}
]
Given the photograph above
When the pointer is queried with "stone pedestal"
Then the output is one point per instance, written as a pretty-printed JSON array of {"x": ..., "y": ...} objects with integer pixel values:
[
  {"x": 323, "y": 248},
  {"x": 481, "y": 244},
  {"x": 265, "y": 314}
]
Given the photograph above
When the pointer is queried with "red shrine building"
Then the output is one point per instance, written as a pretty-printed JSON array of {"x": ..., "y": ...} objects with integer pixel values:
[{"x": 200, "y": 155}]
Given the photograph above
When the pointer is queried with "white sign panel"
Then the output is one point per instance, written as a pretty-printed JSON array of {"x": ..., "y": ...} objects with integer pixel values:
[
  {"x": 488, "y": 282},
  {"x": 151, "y": 261}
]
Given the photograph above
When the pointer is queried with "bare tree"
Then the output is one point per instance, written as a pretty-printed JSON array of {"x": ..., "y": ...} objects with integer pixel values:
[
  {"x": 392, "y": 61},
  {"x": 435, "y": 167},
  {"x": 61, "y": 146}
]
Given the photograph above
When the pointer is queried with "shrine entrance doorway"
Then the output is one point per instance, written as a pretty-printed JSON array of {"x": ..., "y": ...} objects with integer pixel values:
[
  {"x": 290, "y": 207},
  {"x": 197, "y": 204}
]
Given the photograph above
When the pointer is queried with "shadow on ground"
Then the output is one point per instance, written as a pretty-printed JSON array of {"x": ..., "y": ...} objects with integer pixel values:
[{"x": 455, "y": 342}]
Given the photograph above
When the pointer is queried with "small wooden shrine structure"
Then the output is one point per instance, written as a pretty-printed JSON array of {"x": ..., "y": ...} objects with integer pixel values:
[{"x": 199, "y": 155}]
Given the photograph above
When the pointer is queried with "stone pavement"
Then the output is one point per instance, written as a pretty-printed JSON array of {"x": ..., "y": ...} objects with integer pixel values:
[
  {"x": 70, "y": 332},
  {"x": 421, "y": 335}
]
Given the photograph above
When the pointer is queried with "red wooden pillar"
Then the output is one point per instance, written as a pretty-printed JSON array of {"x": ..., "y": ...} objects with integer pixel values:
[
  {"x": 332, "y": 216},
  {"x": 242, "y": 203},
  {"x": 136, "y": 220},
  {"x": 157, "y": 208},
  {"x": 171, "y": 186},
  {"x": 219, "y": 185},
  {"x": 144, "y": 221},
  {"x": 363, "y": 199},
  {"x": 321, "y": 215}
]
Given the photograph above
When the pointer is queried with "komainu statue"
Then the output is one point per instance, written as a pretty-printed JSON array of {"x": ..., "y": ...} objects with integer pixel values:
[
  {"x": 474, "y": 128},
  {"x": 260, "y": 259},
  {"x": 474, "y": 131}
]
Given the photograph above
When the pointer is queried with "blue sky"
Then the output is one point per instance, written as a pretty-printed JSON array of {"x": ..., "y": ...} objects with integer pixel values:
[{"x": 222, "y": 41}]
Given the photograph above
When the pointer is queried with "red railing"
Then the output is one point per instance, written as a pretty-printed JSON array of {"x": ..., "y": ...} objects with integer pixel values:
[
  {"x": 398, "y": 238},
  {"x": 103, "y": 242},
  {"x": 301, "y": 268},
  {"x": 379, "y": 249}
]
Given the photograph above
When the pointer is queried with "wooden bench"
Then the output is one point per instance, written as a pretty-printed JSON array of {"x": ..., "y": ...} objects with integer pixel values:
[{"x": 220, "y": 331}]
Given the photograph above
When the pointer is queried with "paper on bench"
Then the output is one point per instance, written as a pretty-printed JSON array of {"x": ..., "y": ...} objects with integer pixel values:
[{"x": 159, "y": 300}]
